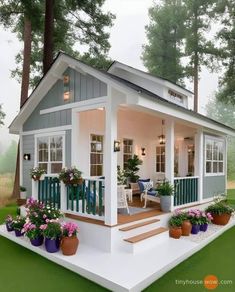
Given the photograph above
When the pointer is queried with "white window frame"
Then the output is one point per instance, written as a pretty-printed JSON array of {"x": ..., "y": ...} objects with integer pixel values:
[
  {"x": 96, "y": 134},
  {"x": 124, "y": 153},
  {"x": 51, "y": 134},
  {"x": 161, "y": 162},
  {"x": 213, "y": 138}
]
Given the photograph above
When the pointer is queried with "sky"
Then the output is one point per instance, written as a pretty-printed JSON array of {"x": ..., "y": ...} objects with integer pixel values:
[{"x": 127, "y": 37}]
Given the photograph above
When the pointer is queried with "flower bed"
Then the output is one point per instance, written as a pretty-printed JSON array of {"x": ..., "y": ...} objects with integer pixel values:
[{"x": 43, "y": 224}]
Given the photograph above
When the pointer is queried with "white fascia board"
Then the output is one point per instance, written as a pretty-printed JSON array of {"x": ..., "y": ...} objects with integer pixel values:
[{"x": 179, "y": 114}]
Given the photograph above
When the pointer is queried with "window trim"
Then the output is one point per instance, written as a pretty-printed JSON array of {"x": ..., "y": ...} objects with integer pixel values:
[
  {"x": 213, "y": 138},
  {"x": 103, "y": 152},
  {"x": 50, "y": 134},
  {"x": 132, "y": 152}
]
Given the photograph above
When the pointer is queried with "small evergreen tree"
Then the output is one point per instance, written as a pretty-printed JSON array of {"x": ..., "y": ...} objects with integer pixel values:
[{"x": 132, "y": 168}]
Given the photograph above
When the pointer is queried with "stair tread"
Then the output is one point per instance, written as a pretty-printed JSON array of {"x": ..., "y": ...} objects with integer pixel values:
[
  {"x": 145, "y": 235},
  {"x": 139, "y": 225}
]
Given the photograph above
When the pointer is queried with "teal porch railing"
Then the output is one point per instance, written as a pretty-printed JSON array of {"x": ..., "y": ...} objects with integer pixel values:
[
  {"x": 186, "y": 190},
  {"x": 49, "y": 191},
  {"x": 86, "y": 198}
]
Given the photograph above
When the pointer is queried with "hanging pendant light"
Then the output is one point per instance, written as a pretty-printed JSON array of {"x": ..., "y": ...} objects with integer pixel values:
[{"x": 162, "y": 138}]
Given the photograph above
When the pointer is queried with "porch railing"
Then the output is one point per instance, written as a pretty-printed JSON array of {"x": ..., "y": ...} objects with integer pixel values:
[
  {"x": 186, "y": 190},
  {"x": 87, "y": 198},
  {"x": 49, "y": 191}
]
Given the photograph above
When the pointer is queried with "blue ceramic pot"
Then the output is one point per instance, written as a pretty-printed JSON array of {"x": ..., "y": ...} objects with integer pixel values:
[
  {"x": 195, "y": 228},
  {"x": 52, "y": 245},
  {"x": 37, "y": 241},
  {"x": 203, "y": 227}
]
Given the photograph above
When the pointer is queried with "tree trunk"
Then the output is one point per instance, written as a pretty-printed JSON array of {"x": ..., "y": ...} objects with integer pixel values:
[
  {"x": 48, "y": 36},
  {"x": 195, "y": 82},
  {"x": 24, "y": 93}
]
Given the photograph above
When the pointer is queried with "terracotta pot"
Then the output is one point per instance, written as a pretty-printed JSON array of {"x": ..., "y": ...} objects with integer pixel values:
[
  {"x": 175, "y": 232},
  {"x": 69, "y": 245},
  {"x": 186, "y": 228},
  {"x": 221, "y": 219}
]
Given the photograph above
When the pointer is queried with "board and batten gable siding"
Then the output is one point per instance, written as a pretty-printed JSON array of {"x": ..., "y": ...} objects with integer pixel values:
[
  {"x": 212, "y": 185},
  {"x": 82, "y": 87},
  {"x": 28, "y": 147}
]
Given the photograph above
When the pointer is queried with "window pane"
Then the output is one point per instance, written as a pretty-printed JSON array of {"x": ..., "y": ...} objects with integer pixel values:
[
  {"x": 221, "y": 167},
  {"x": 221, "y": 154},
  {"x": 96, "y": 155},
  {"x": 208, "y": 155},
  {"x": 208, "y": 167},
  {"x": 43, "y": 155},
  {"x": 56, "y": 167},
  {"x": 215, "y": 164},
  {"x": 158, "y": 167},
  {"x": 59, "y": 155},
  {"x": 43, "y": 165}
]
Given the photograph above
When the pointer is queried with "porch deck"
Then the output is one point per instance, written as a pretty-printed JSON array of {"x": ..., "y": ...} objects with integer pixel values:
[{"x": 140, "y": 269}]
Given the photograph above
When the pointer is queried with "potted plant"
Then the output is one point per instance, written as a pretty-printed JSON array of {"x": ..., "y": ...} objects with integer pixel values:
[
  {"x": 18, "y": 225},
  {"x": 121, "y": 176},
  {"x": 52, "y": 233},
  {"x": 69, "y": 241},
  {"x": 71, "y": 176},
  {"x": 34, "y": 233},
  {"x": 195, "y": 219},
  {"x": 186, "y": 224},
  {"x": 175, "y": 230},
  {"x": 132, "y": 169},
  {"x": 37, "y": 173},
  {"x": 9, "y": 223},
  {"x": 221, "y": 212},
  {"x": 206, "y": 218},
  {"x": 23, "y": 192},
  {"x": 165, "y": 191}
]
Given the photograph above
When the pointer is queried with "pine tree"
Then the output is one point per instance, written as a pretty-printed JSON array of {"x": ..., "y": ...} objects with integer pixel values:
[{"x": 165, "y": 34}]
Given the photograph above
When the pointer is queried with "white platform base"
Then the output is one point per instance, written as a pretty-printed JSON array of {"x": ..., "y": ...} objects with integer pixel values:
[{"x": 121, "y": 271}]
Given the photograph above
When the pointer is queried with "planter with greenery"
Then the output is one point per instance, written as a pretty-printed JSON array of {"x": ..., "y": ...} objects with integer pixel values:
[
  {"x": 37, "y": 173},
  {"x": 195, "y": 219},
  {"x": 34, "y": 233},
  {"x": 132, "y": 168},
  {"x": 165, "y": 191},
  {"x": 18, "y": 225},
  {"x": 121, "y": 176},
  {"x": 206, "y": 218},
  {"x": 52, "y": 233},
  {"x": 186, "y": 224},
  {"x": 9, "y": 223},
  {"x": 175, "y": 230},
  {"x": 23, "y": 192},
  {"x": 71, "y": 176},
  {"x": 69, "y": 241},
  {"x": 221, "y": 212}
]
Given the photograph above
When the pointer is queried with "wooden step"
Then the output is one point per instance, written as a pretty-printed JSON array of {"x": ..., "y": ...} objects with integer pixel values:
[
  {"x": 139, "y": 225},
  {"x": 145, "y": 235}
]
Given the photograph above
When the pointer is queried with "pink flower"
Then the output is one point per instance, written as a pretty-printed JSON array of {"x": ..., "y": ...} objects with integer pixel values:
[
  {"x": 44, "y": 216},
  {"x": 43, "y": 227},
  {"x": 47, "y": 220}
]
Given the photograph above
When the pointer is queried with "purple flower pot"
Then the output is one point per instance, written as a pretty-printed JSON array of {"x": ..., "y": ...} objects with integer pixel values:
[
  {"x": 9, "y": 226},
  {"x": 18, "y": 233},
  {"x": 52, "y": 245},
  {"x": 203, "y": 227},
  {"x": 37, "y": 241},
  {"x": 195, "y": 228}
]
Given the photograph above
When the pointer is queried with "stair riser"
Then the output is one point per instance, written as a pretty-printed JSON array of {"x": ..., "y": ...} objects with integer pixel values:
[{"x": 149, "y": 243}]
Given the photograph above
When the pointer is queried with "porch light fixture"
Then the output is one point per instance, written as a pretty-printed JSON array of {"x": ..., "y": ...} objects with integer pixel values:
[
  {"x": 116, "y": 146},
  {"x": 162, "y": 138},
  {"x": 26, "y": 156},
  {"x": 143, "y": 153}
]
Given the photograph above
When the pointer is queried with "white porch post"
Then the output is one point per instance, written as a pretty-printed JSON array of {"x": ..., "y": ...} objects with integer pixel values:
[
  {"x": 35, "y": 189},
  {"x": 110, "y": 163},
  {"x": 169, "y": 155},
  {"x": 63, "y": 200},
  {"x": 199, "y": 162}
]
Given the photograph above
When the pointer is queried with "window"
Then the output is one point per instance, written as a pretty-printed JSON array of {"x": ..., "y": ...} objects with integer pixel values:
[
  {"x": 191, "y": 159},
  {"x": 96, "y": 155},
  {"x": 175, "y": 96},
  {"x": 127, "y": 151},
  {"x": 50, "y": 153},
  {"x": 214, "y": 156},
  {"x": 160, "y": 159}
]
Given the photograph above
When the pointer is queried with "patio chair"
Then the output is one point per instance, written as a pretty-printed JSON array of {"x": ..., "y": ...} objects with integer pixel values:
[
  {"x": 122, "y": 199},
  {"x": 147, "y": 191}
]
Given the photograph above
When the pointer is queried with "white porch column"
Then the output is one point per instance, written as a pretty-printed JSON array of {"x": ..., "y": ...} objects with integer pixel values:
[
  {"x": 63, "y": 201},
  {"x": 110, "y": 163},
  {"x": 169, "y": 155},
  {"x": 35, "y": 189},
  {"x": 199, "y": 162}
]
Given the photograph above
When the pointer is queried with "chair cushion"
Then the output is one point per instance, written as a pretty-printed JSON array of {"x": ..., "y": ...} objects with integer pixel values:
[
  {"x": 144, "y": 180},
  {"x": 152, "y": 193}
]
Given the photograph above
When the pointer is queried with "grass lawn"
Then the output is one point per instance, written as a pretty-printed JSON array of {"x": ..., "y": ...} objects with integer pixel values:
[
  {"x": 231, "y": 196},
  {"x": 24, "y": 271}
]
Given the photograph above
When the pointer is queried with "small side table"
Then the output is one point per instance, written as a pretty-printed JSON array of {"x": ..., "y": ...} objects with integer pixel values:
[{"x": 128, "y": 193}]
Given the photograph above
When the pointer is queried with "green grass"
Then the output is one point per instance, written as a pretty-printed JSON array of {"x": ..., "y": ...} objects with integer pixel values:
[
  {"x": 231, "y": 196},
  {"x": 25, "y": 271}
]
